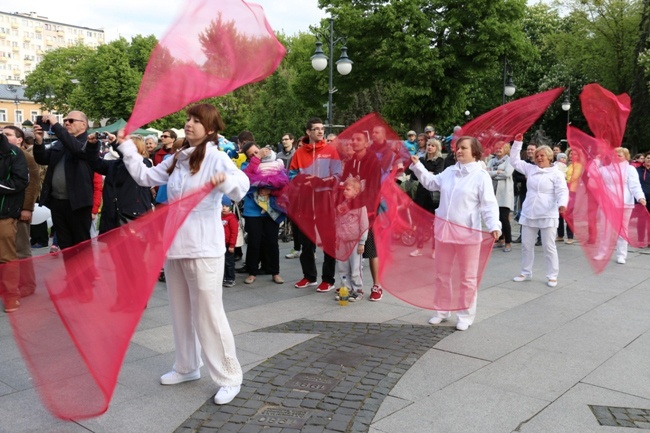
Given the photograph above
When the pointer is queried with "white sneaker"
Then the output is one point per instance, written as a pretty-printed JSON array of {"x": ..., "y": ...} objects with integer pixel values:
[
  {"x": 520, "y": 278},
  {"x": 174, "y": 377},
  {"x": 437, "y": 320},
  {"x": 293, "y": 254},
  {"x": 551, "y": 283},
  {"x": 462, "y": 326},
  {"x": 226, "y": 394},
  {"x": 599, "y": 256},
  {"x": 416, "y": 253},
  {"x": 620, "y": 261}
]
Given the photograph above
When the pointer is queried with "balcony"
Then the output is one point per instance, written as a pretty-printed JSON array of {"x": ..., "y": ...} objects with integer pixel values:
[{"x": 38, "y": 29}]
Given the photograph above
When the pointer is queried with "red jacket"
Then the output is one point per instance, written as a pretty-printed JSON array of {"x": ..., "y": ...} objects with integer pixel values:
[{"x": 231, "y": 229}]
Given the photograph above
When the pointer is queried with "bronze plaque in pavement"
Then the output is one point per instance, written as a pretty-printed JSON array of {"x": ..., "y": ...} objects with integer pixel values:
[
  {"x": 281, "y": 417},
  {"x": 312, "y": 383}
]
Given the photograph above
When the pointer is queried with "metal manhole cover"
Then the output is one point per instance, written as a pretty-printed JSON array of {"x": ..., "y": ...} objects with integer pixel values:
[
  {"x": 348, "y": 359},
  {"x": 312, "y": 383},
  {"x": 280, "y": 417}
]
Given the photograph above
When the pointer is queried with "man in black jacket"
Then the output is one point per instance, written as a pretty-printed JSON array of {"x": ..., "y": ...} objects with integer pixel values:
[
  {"x": 68, "y": 185},
  {"x": 14, "y": 177}
]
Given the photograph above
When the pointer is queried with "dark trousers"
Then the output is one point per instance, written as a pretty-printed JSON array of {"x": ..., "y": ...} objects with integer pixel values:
[
  {"x": 72, "y": 226},
  {"x": 262, "y": 241},
  {"x": 308, "y": 261},
  {"x": 297, "y": 242},
  {"x": 38, "y": 233},
  {"x": 229, "y": 267},
  {"x": 504, "y": 217}
]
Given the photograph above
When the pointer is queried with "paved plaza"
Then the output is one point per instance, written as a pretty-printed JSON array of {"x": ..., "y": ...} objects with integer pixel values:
[{"x": 573, "y": 358}]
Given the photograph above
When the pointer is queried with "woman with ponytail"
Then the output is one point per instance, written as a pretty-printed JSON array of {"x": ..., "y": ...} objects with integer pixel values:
[{"x": 195, "y": 260}]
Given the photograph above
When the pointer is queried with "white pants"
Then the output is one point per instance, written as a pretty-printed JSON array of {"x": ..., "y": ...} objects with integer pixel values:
[
  {"x": 199, "y": 321},
  {"x": 621, "y": 248},
  {"x": 464, "y": 316},
  {"x": 528, "y": 239}
]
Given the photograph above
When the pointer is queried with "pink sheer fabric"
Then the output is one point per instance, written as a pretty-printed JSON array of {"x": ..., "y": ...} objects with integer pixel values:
[
  {"x": 598, "y": 213},
  {"x": 213, "y": 48},
  {"x": 506, "y": 121},
  {"x": 447, "y": 274},
  {"x": 73, "y": 333}
]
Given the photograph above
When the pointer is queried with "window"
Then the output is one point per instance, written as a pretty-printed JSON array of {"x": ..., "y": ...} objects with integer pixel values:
[
  {"x": 32, "y": 115},
  {"x": 19, "y": 116},
  {"x": 3, "y": 115}
]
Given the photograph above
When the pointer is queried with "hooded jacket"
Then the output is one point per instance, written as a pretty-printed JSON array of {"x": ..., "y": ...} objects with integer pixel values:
[
  {"x": 14, "y": 177},
  {"x": 318, "y": 159}
]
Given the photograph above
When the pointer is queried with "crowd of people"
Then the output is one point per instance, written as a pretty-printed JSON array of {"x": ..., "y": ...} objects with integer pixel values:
[{"x": 333, "y": 206}]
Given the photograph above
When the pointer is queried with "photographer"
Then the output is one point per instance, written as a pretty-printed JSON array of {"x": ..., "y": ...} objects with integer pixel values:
[
  {"x": 123, "y": 199},
  {"x": 68, "y": 186}
]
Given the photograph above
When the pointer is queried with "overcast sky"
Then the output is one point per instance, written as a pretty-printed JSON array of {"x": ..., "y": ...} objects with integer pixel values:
[{"x": 145, "y": 17}]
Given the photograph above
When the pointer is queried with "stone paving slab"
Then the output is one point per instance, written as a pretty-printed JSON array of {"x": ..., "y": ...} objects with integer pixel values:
[{"x": 334, "y": 382}]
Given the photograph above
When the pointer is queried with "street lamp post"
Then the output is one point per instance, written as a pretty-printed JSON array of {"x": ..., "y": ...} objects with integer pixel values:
[
  {"x": 319, "y": 62},
  {"x": 508, "y": 88},
  {"x": 566, "y": 105}
]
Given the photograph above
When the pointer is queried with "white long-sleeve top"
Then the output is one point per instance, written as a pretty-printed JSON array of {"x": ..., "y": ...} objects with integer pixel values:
[
  {"x": 612, "y": 176},
  {"x": 547, "y": 191},
  {"x": 201, "y": 235},
  {"x": 466, "y": 195}
]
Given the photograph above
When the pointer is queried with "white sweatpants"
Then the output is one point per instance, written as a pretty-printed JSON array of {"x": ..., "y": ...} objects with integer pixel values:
[
  {"x": 528, "y": 239},
  {"x": 199, "y": 321}
]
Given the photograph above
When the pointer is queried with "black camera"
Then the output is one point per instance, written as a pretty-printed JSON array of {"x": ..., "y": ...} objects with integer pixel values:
[
  {"x": 45, "y": 125},
  {"x": 101, "y": 135}
]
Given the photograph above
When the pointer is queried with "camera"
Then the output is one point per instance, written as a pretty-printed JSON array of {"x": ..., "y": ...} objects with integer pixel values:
[
  {"x": 45, "y": 125},
  {"x": 101, "y": 135}
]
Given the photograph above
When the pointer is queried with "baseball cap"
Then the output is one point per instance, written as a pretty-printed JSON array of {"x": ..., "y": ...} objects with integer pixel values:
[
  {"x": 429, "y": 129},
  {"x": 411, "y": 133}
]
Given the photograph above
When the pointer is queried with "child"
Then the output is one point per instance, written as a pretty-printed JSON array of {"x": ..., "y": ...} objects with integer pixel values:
[
  {"x": 265, "y": 171},
  {"x": 231, "y": 228},
  {"x": 352, "y": 230}
]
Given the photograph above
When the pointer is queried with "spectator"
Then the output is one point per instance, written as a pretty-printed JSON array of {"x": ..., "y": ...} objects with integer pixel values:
[
  {"x": 638, "y": 160},
  {"x": 422, "y": 145},
  {"x": 151, "y": 142},
  {"x": 411, "y": 143},
  {"x": 231, "y": 229},
  {"x": 644, "y": 179},
  {"x": 500, "y": 170},
  {"x": 287, "y": 149},
  {"x": 561, "y": 163},
  {"x": 195, "y": 260},
  {"x": 167, "y": 138},
  {"x": 68, "y": 186}
]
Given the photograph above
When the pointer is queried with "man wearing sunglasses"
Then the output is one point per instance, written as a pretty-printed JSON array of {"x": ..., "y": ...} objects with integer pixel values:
[
  {"x": 167, "y": 139},
  {"x": 68, "y": 185}
]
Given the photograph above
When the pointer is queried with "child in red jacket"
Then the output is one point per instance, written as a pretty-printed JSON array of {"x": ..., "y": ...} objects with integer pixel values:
[{"x": 231, "y": 228}]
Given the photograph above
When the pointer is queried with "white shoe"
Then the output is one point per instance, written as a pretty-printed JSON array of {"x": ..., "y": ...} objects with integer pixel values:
[
  {"x": 293, "y": 254},
  {"x": 416, "y": 253},
  {"x": 620, "y": 261},
  {"x": 551, "y": 283},
  {"x": 520, "y": 278},
  {"x": 599, "y": 257},
  {"x": 437, "y": 320},
  {"x": 226, "y": 394},
  {"x": 462, "y": 326},
  {"x": 174, "y": 377}
]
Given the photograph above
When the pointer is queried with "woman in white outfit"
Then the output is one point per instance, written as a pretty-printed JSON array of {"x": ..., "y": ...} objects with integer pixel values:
[
  {"x": 547, "y": 194},
  {"x": 195, "y": 260},
  {"x": 466, "y": 195}
]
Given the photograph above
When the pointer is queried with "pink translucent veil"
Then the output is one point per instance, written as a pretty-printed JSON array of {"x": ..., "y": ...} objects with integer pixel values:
[
  {"x": 596, "y": 212},
  {"x": 74, "y": 331},
  {"x": 213, "y": 48}
]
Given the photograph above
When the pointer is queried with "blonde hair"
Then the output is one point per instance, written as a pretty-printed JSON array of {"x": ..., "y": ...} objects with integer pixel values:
[
  {"x": 547, "y": 150},
  {"x": 625, "y": 152},
  {"x": 438, "y": 145},
  {"x": 505, "y": 147},
  {"x": 139, "y": 144}
]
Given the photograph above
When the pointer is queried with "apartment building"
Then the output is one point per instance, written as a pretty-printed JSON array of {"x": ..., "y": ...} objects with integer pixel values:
[{"x": 25, "y": 37}]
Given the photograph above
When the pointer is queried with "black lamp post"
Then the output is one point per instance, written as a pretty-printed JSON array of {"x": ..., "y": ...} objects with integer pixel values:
[
  {"x": 508, "y": 85},
  {"x": 566, "y": 104},
  {"x": 319, "y": 62}
]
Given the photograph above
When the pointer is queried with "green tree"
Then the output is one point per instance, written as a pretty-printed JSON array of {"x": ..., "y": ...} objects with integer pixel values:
[{"x": 639, "y": 127}]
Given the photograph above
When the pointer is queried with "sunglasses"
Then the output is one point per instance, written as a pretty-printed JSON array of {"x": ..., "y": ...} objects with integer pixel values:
[
  {"x": 72, "y": 120},
  {"x": 165, "y": 136}
]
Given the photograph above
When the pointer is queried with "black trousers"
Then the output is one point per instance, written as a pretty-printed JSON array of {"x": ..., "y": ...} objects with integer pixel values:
[
  {"x": 504, "y": 217},
  {"x": 39, "y": 234},
  {"x": 72, "y": 226},
  {"x": 229, "y": 267},
  {"x": 308, "y": 261},
  {"x": 262, "y": 241}
]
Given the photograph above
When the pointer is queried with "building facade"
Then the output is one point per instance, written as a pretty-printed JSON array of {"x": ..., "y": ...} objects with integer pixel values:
[
  {"x": 15, "y": 108},
  {"x": 25, "y": 37}
]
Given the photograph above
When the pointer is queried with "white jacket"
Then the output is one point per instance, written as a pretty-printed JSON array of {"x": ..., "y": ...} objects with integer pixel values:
[
  {"x": 612, "y": 176},
  {"x": 466, "y": 194},
  {"x": 547, "y": 188},
  {"x": 201, "y": 235}
]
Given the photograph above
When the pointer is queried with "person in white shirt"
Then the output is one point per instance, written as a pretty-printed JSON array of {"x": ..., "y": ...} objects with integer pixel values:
[
  {"x": 195, "y": 260},
  {"x": 466, "y": 196},
  {"x": 547, "y": 193}
]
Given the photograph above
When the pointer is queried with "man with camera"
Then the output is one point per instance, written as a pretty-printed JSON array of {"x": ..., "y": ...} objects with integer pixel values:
[{"x": 68, "y": 186}]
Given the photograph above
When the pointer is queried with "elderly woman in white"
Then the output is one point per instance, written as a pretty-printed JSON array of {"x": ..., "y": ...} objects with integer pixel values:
[
  {"x": 546, "y": 199},
  {"x": 466, "y": 196}
]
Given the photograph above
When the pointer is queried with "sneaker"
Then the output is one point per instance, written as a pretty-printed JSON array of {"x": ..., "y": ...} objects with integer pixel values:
[
  {"x": 54, "y": 249},
  {"x": 38, "y": 246},
  {"x": 437, "y": 320},
  {"x": 305, "y": 283},
  {"x": 517, "y": 241},
  {"x": 174, "y": 377},
  {"x": 559, "y": 239},
  {"x": 228, "y": 283},
  {"x": 376, "y": 293},
  {"x": 551, "y": 283},
  {"x": 161, "y": 276},
  {"x": 324, "y": 287},
  {"x": 462, "y": 326},
  {"x": 416, "y": 253},
  {"x": 356, "y": 295},
  {"x": 293, "y": 254},
  {"x": 226, "y": 394},
  {"x": 520, "y": 278},
  {"x": 11, "y": 305},
  {"x": 620, "y": 261},
  {"x": 569, "y": 241}
]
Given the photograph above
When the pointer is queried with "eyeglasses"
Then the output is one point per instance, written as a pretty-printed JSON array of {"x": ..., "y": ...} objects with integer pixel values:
[
  {"x": 165, "y": 136},
  {"x": 317, "y": 129},
  {"x": 72, "y": 120}
]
